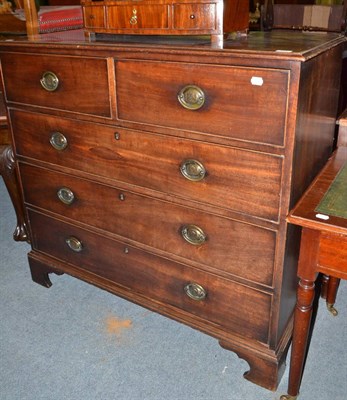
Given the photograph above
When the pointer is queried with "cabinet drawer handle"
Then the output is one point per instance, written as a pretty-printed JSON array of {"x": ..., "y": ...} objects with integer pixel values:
[
  {"x": 49, "y": 81},
  {"x": 191, "y": 97},
  {"x": 193, "y": 170},
  {"x": 58, "y": 141},
  {"x": 193, "y": 234},
  {"x": 74, "y": 244},
  {"x": 66, "y": 195},
  {"x": 195, "y": 291}
]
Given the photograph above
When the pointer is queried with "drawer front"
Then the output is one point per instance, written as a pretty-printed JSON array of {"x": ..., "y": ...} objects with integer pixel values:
[
  {"x": 215, "y": 242},
  {"x": 223, "y": 101},
  {"x": 194, "y": 16},
  {"x": 228, "y": 178},
  {"x": 94, "y": 17},
  {"x": 154, "y": 16},
  {"x": 240, "y": 309},
  {"x": 65, "y": 83}
]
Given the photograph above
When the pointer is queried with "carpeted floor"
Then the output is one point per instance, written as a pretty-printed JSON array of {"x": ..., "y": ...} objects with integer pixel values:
[{"x": 76, "y": 342}]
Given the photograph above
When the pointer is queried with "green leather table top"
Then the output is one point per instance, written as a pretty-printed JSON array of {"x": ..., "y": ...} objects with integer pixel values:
[{"x": 334, "y": 201}]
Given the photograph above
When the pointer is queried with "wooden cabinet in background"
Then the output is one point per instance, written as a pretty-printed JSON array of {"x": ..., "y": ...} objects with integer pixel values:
[{"x": 165, "y": 17}]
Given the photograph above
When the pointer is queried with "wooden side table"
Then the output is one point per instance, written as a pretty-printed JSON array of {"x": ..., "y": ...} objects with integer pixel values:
[{"x": 322, "y": 214}]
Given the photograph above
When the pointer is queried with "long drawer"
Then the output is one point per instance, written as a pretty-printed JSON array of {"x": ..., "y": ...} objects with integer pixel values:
[
  {"x": 240, "y": 309},
  {"x": 219, "y": 243},
  {"x": 65, "y": 83},
  {"x": 230, "y": 178},
  {"x": 242, "y": 103}
]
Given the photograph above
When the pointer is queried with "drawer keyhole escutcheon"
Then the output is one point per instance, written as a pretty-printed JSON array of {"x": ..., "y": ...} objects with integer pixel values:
[
  {"x": 49, "y": 81},
  {"x": 193, "y": 235},
  {"x": 195, "y": 291},
  {"x": 193, "y": 170},
  {"x": 191, "y": 97},
  {"x": 58, "y": 141},
  {"x": 65, "y": 195},
  {"x": 74, "y": 244},
  {"x": 133, "y": 19}
]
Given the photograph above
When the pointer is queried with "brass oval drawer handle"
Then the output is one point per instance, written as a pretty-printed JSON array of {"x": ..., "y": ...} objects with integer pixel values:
[
  {"x": 49, "y": 81},
  {"x": 66, "y": 195},
  {"x": 195, "y": 291},
  {"x": 193, "y": 170},
  {"x": 191, "y": 97},
  {"x": 58, "y": 141},
  {"x": 74, "y": 244},
  {"x": 193, "y": 235}
]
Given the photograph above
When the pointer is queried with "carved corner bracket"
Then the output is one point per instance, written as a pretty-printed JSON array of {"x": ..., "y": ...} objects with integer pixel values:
[{"x": 9, "y": 173}]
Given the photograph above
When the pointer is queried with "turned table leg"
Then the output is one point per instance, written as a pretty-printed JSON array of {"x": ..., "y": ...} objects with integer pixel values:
[
  {"x": 324, "y": 286},
  {"x": 9, "y": 174},
  {"x": 303, "y": 311}
]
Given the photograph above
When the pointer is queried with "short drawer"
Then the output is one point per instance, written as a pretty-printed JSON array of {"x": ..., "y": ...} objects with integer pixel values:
[
  {"x": 138, "y": 16},
  {"x": 65, "y": 83},
  {"x": 194, "y": 16},
  {"x": 240, "y": 309},
  {"x": 219, "y": 243},
  {"x": 94, "y": 17},
  {"x": 242, "y": 103},
  {"x": 225, "y": 177}
]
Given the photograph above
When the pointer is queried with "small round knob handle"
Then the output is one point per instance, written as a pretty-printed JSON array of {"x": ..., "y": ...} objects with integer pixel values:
[
  {"x": 195, "y": 291},
  {"x": 193, "y": 235},
  {"x": 191, "y": 97},
  {"x": 74, "y": 244},
  {"x": 66, "y": 195},
  {"x": 193, "y": 170},
  {"x": 58, "y": 141},
  {"x": 49, "y": 81}
]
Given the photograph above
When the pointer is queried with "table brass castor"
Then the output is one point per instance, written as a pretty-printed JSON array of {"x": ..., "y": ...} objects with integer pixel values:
[
  {"x": 288, "y": 397},
  {"x": 332, "y": 309}
]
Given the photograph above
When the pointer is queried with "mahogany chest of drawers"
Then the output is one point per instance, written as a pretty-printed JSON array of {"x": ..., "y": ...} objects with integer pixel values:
[{"x": 163, "y": 172}]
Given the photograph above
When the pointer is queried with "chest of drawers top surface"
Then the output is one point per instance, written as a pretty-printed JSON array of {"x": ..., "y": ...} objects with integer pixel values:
[{"x": 277, "y": 44}]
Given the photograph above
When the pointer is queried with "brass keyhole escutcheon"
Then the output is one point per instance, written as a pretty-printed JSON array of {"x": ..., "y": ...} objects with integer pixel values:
[
  {"x": 49, "y": 81},
  {"x": 191, "y": 97}
]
